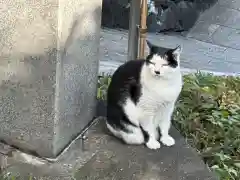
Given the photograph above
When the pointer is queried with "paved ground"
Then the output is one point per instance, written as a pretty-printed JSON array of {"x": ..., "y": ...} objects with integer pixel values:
[
  {"x": 117, "y": 161},
  {"x": 213, "y": 44},
  {"x": 107, "y": 158},
  {"x": 219, "y": 25}
]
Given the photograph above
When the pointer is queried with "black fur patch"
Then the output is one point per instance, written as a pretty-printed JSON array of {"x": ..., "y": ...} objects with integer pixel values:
[
  {"x": 172, "y": 62},
  {"x": 145, "y": 134},
  {"x": 125, "y": 83}
]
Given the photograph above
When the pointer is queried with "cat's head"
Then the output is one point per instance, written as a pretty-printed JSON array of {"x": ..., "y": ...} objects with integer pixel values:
[{"x": 162, "y": 61}]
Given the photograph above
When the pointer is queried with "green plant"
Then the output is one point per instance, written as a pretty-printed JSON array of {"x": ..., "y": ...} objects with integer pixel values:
[
  {"x": 103, "y": 83},
  {"x": 208, "y": 113},
  {"x": 10, "y": 176}
]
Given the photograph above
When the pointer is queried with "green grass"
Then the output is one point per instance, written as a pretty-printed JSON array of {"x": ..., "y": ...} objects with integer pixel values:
[
  {"x": 208, "y": 115},
  {"x": 12, "y": 177}
]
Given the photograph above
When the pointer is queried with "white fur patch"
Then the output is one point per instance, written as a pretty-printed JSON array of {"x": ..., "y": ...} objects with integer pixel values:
[
  {"x": 153, "y": 144},
  {"x": 167, "y": 140},
  {"x": 136, "y": 137},
  {"x": 131, "y": 111},
  {"x": 157, "y": 91},
  {"x": 158, "y": 98}
]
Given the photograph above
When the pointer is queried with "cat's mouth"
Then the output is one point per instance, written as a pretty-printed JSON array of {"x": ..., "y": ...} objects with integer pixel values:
[{"x": 157, "y": 75}]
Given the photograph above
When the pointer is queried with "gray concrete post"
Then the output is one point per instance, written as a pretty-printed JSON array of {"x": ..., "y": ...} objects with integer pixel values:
[{"x": 48, "y": 71}]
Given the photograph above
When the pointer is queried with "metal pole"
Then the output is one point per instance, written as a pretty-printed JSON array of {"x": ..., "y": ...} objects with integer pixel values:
[
  {"x": 143, "y": 29},
  {"x": 133, "y": 29}
]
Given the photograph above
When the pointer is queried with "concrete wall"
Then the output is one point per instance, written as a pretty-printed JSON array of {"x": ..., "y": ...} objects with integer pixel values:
[{"x": 48, "y": 71}]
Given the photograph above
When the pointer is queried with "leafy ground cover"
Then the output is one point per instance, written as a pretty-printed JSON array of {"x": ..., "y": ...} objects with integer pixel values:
[{"x": 208, "y": 115}]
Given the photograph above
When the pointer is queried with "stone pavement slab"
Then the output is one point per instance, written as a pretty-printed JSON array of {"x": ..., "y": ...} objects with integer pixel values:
[
  {"x": 228, "y": 37},
  {"x": 196, "y": 54},
  {"x": 118, "y": 161},
  {"x": 219, "y": 25},
  {"x": 203, "y": 31},
  {"x": 106, "y": 158},
  {"x": 233, "y": 4},
  {"x": 221, "y": 15},
  {"x": 113, "y": 45},
  {"x": 216, "y": 34}
]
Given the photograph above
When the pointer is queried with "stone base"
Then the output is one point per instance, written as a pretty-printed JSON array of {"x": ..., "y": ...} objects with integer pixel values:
[
  {"x": 108, "y": 158},
  {"x": 15, "y": 163},
  {"x": 48, "y": 72}
]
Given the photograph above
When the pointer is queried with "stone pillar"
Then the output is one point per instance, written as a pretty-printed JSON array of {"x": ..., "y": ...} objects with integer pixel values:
[{"x": 48, "y": 71}]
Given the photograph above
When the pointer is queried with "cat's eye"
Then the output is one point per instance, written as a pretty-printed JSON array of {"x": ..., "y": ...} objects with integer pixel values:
[{"x": 164, "y": 65}]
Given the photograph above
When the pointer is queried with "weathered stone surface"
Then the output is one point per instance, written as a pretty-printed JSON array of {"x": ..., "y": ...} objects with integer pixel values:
[
  {"x": 216, "y": 34},
  {"x": 106, "y": 158},
  {"x": 203, "y": 31},
  {"x": 234, "y": 4},
  {"x": 196, "y": 54},
  {"x": 48, "y": 71},
  {"x": 21, "y": 165},
  {"x": 219, "y": 25},
  {"x": 221, "y": 15},
  {"x": 118, "y": 161},
  {"x": 225, "y": 36}
]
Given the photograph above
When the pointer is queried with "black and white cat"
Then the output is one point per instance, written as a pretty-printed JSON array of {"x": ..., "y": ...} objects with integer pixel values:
[{"x": 142, "y": 95}]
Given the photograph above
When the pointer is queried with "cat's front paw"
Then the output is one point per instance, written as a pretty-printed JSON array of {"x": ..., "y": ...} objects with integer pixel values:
[
  {"x": 167, "y": 140},
  {"x": 153, "y": 144}
]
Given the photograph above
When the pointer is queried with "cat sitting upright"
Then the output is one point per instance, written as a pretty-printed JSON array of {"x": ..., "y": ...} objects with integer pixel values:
[{"x": 142, "y": 95}]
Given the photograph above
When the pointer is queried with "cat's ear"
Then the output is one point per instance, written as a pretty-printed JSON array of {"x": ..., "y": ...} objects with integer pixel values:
[
  {"x": 177, "y": 51},
  {"x": 152, "y": 48}
]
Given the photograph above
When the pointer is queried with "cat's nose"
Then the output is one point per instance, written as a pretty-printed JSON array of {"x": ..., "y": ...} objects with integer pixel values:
[{"x": 157, "y": 72}]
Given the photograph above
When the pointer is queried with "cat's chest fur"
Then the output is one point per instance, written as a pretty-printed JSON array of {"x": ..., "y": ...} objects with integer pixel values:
[{"x": 157, "y": 92}]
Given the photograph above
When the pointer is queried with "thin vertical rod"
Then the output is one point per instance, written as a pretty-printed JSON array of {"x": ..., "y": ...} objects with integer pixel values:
[
  {"x": 133, "y": 34},
  {"x": 143, "y": 29}
]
